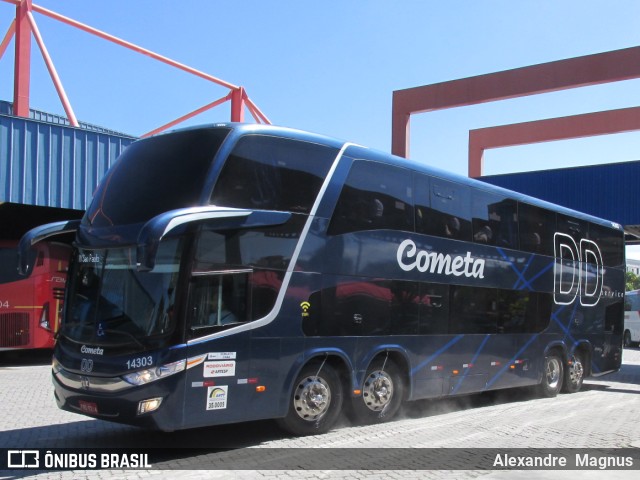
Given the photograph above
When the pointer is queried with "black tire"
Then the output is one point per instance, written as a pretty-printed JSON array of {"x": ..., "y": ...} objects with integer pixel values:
[
  {"x": 574, "y": 374},
  {"x": 552, "y": 376},
  {"x": 626, "y": 342},
  {"x": 382, "y": 394},
  {"x": 316, "y": 401}
]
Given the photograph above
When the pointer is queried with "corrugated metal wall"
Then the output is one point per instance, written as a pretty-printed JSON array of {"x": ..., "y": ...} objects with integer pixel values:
[
  {"x": 607, "y": 191},
  {"x": 53, "y": 165}
]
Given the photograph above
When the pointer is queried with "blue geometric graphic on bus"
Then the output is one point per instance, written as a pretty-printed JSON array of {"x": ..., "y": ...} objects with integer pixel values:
[
  {"x": 510, "y": 362},
  {"x": 521, "y": 274},
  {"x": 473, "y": 362},
  {"x": 439, "y": 352}
]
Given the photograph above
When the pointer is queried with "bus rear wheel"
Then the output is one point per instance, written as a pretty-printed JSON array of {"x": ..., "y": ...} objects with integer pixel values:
[
  {"x": 382, "y": 394},
  {"x": 552, "y": 376},
  {"x": 316, "y": 401},
  {"x": 575, "y": 373},
  {"x": 627, "y": 339}
]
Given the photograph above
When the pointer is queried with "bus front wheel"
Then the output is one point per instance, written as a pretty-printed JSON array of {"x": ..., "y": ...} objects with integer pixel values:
[
  {"x": 552, "y": 376},
  {"x": 627, "y": 339},
  {"x": 316, "y": 401},
  {"x": 382, "y": 394}
]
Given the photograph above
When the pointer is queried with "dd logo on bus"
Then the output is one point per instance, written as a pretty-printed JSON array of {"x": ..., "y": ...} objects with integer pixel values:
[{"x": 577, "y": 271}]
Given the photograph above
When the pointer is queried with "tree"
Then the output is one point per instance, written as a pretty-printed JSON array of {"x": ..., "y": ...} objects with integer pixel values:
[{"x": 632, "y": 281}]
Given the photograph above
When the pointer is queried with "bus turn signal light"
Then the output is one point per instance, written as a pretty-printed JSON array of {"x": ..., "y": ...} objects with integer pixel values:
[{"x": 261, "y": 388}]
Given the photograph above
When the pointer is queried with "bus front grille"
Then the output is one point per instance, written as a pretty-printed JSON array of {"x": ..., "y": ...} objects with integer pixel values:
[{"x": 14, "y": 330}]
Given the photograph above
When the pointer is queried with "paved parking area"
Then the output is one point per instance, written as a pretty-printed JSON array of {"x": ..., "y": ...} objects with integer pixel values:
[{"x": 605, "y": 414}]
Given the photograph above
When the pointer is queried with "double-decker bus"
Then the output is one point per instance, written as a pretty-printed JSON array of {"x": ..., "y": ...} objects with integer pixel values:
[
  {"x": 235, "y": 272},
  {"x": 31, "y": 304}
]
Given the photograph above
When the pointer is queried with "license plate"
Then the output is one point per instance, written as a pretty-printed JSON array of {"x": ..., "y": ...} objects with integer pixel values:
[{"x": 88, "y": 407}]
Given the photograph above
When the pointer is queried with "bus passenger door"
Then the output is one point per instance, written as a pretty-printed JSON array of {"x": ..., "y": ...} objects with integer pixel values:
[{"x": 218, "y": 349}]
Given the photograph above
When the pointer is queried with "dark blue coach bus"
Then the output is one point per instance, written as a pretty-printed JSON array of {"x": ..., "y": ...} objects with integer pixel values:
[{"x": 238, "y": 272}]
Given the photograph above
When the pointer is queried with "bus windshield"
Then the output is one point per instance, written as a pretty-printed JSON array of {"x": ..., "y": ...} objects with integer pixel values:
[
  {"x": 156, "y": 175},
  {"x": 114, "y": 304}
]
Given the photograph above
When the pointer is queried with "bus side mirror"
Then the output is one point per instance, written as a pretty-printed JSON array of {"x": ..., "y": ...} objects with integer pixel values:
[
  {"x": 175, "y": 222},
  {"x": 38, "y": 234}
]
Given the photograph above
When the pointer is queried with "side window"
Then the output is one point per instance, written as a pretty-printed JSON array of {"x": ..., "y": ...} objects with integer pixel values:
[
  {"x": 474, "y": 310},
  {"x": 270, "y": 173},
  {"x": 611, "y": 244},
  {"x": 576, "y": 229},
  {"x": 353, "y": 306},
  {"x": 443, "y": 208},
  {"x": 217, "y": 302},
  {"x": 495, "y": 220},
  {"x": 375, "y": 196},
  {"x": 537, "y": 226},
  {"x": 434, "y": 309},
  {"x": 523, "y": 312}
]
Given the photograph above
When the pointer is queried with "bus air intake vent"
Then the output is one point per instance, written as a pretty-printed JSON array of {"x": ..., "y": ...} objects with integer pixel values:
[{"x": 14, "y": 330}]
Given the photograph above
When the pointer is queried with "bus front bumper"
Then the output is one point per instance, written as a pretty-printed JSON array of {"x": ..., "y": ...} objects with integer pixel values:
[{"x": 113, "y": 399}]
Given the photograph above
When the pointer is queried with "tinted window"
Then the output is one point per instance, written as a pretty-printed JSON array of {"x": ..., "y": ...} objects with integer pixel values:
[
  {"x": 474, "y": 310},
  {"x": 270, "y": 173},
  {"x": 375, "y": 197},
  {"x": 405, "y": 308},
  {"x": 352, "y": 306},
  {"x": 434, "y": 309},
  {"x": 610, "y": 242},
  {"x": 523, "y": 312},
  {"x": 217, "y": 302},
  {"x": 576, "y": 229},
  {"x": 537, "y": 227},
  {"x": 266, "y": 247},
  {"x": 495, "y": 220},
  {"x": 443, "y": 208},
  {"x": 614, "y": 318},
  {"x": 489, "y": 310},
  {"x": 155, "y": 175}
]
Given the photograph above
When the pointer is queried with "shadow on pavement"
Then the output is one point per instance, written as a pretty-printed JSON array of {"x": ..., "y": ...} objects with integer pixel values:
[{"x": 25, "y": 358}]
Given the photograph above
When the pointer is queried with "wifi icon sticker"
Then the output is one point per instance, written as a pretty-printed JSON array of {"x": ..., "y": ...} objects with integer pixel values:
[{"x": 305, "y": 308}]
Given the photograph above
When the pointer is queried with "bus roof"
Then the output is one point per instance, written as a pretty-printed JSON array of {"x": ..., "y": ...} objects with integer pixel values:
[{"x": 358, "y": 151}]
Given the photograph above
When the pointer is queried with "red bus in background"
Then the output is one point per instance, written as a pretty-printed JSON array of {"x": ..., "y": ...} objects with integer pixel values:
[{"x": 31, "y": 305}]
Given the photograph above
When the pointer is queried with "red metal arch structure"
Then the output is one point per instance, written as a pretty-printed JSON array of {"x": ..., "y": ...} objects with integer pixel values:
[
  {"x": 24, "y": 26},
  {"x": 576, "y": 72}
]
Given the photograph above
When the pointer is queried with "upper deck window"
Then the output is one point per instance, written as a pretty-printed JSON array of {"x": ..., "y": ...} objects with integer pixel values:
[
  {"x": 271, "y": 173},
  {"x": 375, "y": 196},
  {"x": 495, "y": 219},
  {"x": 155, "y": 175},
  {"x": 443, "y": 208}
]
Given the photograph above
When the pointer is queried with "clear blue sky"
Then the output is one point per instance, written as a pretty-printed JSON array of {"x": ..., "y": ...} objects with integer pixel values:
[{"x": 331, "y": 67}]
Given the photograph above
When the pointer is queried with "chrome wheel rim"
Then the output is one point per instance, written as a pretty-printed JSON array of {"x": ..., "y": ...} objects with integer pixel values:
[
  {"x": 576, "y": 371},
  {"x": 312, "y": 398},
  {"x": 553, "y": 372},
  {"x": 378, "y": 390}
]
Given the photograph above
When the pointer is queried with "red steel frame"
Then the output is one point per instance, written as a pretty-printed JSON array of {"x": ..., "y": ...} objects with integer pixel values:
[
  {"x": 24, "y": 25},
  {"x": 576, "y": 72}
]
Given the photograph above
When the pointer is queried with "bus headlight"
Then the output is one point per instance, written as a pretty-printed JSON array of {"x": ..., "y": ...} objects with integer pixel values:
[{"x": 152, "y": 374}]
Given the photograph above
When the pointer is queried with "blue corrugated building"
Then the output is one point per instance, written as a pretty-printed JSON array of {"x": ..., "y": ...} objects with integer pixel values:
[
  {"x": 49, "y": 169},
  {"x": 608, "y": 191}
]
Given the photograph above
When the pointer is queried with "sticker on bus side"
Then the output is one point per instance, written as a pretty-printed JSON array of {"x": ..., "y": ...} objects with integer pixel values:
[
  {"x": 226, "y": 368},
  {"x": 222, "y": 356},
  {"x": 217, "y": 397}
]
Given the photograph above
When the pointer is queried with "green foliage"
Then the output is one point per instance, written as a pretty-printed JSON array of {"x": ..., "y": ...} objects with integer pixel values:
[{"x": 632, "y": 281}]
